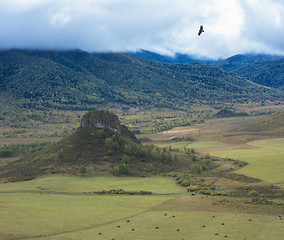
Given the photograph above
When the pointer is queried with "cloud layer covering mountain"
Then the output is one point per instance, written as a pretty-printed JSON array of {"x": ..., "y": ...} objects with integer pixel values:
[{"x": 163, "y": 26}]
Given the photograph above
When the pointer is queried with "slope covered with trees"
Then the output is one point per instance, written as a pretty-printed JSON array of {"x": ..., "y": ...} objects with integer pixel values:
[
  {"x": 267, "y": 70},
  {"x": 77, "y": 79}
]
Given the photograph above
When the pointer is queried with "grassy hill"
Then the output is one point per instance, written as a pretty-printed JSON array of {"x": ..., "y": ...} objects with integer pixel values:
[
  {"x": 87, "y": 145},
  {"x": 100, "y": 146},
  {"x": 79, "y": 80},
  {"x": 272, "y": 122}
]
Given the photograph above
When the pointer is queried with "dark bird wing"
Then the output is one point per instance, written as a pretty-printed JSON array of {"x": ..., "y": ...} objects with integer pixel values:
[{"x": 200, "y": 30}]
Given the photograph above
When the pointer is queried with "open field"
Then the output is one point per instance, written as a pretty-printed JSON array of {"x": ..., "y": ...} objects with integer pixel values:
[
  {"x": 157, "y": 185},
  {"x": 266, "y": 161},
  {"x": 28, "y": 215},
  {"x": 236, "y": 130},
  {"x": 256, "y": 140},
  {"x": 42, "y": 216},
  {"x": 189, "y": 225}
]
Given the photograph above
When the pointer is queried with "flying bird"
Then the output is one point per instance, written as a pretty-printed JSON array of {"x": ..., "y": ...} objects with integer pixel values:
[{"x": 200, "y": 30}]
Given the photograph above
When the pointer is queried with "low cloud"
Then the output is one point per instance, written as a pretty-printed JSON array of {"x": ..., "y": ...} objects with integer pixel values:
[{"x": 164, "y": 26}]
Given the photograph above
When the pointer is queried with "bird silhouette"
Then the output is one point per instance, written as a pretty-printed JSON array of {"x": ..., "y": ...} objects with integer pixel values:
[{"x": 200, "y": 30}]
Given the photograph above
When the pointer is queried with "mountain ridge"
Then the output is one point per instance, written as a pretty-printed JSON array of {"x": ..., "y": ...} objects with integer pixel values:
[
  {"x": 77, "y": 79},
  {"x": 267, "y": 70}
]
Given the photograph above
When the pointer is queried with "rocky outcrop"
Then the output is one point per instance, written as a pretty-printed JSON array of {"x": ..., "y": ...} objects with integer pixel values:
[
  {"x": 101, "y": 119},
  {"x": 106, "y": 120}
]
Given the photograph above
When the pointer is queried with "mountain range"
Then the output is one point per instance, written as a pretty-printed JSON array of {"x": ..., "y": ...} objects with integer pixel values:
[
  {"x": 267, "y": 70},
  {"x": 77, "y": 79}
]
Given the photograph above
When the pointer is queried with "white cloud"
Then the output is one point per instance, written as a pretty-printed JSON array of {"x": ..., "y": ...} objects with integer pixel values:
[{"x": 166, "y": 26}]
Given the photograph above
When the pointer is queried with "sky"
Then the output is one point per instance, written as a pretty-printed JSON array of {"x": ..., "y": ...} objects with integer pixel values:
[{"x": 163, "y": 26}]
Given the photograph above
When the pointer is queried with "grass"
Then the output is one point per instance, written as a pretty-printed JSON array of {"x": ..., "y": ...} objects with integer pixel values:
[
  {"x": 73, "y": 218},
  {"x": 158, "y": 185},
  {"x": 190, "y": 144},
  {"x": 190, "y": 225},
  {"x": 41, "y": 216},
  {"x": 30, "y": 215},
  {"x": 265, "y": 161}
]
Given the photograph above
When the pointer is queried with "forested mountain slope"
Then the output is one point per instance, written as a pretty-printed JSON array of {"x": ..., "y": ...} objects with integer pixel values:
[
  {"x": 268, "y": 73},
  {"x": 267, "y": 70},
  {"x": 77, "y": 79}
]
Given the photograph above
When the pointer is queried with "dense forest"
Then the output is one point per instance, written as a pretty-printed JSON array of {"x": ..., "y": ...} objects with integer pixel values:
[
  {"x": 80, "y": 80},
  {"x": 262, "y": 69}
]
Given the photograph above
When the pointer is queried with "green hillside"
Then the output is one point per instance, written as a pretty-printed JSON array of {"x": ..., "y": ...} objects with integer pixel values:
[
  {"x": 268, "y": 73},
  {"x": 242, "y": 60},
  {"x": 79, "y": 80},
  {"x": 101, "y": 145},
  {"x": 267, "y": 70}
]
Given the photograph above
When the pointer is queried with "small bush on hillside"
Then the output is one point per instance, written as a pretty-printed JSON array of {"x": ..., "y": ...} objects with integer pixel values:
[
  {"x": 126, "y": 159},
  {"x": 82, "y": 170},
  {"x": 252, "y": 193},
  {"x": 121, "y": 169},
  {"x": 60, "y": 155},
  {"x": 195, "y": 168},
  {"x": 115, "y": 171}
]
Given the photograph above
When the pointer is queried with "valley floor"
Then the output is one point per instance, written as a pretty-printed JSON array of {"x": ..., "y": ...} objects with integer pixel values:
[
  {"x": 173, "y": 215},
  {"x": 66, "y": 208}
]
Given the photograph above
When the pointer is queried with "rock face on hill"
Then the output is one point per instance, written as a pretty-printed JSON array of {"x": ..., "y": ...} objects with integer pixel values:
[{"x": 102, "y": 119}]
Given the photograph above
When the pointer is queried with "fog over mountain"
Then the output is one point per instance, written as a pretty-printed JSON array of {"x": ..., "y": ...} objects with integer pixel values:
[{"x": 163, "y": 26}]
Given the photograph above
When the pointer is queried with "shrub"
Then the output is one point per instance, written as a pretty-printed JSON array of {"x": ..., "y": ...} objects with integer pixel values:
[
  {"x": 195, "y": 168},
  {"x": 82, "y": 169},
  {"x": 205, "y": 192},
  {"x": 207, "y": 156},
  {"x": 126, "y": 159},
  {"x": 121, "y": 169},
  {"x": 192, "y": 188},
  {"x": 115, "y": 171},
  {"x": 185, "y": 183},
  {"x": 252, "y": 193},
  {"x": 124, "y": 169},
  {"x": 60, "y": 155},
  {"x": 5, "y": 153}
]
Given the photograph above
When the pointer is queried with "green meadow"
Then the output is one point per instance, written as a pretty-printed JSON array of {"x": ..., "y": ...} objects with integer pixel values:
[
  {"x": 57, "y": 214},
  {"x": 158, "y": 185},
  {"x": 49, "y": 206},
  {"x": 189, "y": 224},
  {"x": 30, "y": 215},
  {"x": 266, "y": 161}
]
